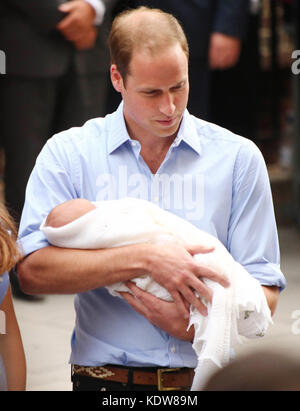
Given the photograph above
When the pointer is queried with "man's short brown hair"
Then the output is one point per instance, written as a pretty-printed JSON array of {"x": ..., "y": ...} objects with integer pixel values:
[{"x": 142, "y": 28}]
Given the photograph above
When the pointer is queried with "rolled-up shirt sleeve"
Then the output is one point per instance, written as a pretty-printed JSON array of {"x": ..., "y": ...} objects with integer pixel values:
[{"x": 252, "y": 235}]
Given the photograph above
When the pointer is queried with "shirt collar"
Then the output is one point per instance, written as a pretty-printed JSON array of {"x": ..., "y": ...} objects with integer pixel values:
[
  {"x": 118, "y": 134},
  {"x": 188, "y": 133}
]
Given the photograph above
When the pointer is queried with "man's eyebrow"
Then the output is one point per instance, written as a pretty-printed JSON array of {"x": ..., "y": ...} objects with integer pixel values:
[
  {"x": 180, "y": 84},
  {"x": 153, "y": 89},
  {"x": 148, "y": 89}
]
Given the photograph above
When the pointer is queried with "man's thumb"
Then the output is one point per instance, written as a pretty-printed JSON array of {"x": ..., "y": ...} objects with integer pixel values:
[{"x": 66, "y": 7}]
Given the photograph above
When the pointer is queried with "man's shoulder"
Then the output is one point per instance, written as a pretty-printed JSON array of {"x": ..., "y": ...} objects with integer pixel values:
[
  {"x": 223, "y": 145},
  {"x": 92, "y": 129},
  {"x": 74, "y": 142},
  {"x": 213, "y": 133}
]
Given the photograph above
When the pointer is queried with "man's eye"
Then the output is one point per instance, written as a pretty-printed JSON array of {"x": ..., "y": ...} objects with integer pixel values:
[
  {"x": 150, "y": 93},
  {"x": 177, "y": 88}
]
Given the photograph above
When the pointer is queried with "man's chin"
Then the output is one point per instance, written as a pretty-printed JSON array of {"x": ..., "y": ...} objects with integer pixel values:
[{"x": 165, "y": 131}]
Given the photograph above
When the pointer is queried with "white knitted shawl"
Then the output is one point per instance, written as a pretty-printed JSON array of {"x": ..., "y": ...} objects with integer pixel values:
[{"x": 239, "y": 310}]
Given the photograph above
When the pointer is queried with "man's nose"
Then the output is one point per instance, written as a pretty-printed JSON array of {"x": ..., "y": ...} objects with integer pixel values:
[{"x": 167, "y": 105}]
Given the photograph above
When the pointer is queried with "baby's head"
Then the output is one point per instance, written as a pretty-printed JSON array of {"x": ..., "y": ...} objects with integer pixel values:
[{"x": 69, "y": 211}]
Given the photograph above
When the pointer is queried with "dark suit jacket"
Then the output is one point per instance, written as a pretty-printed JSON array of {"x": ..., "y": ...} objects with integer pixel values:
[
  {"x": 200, "y": 18},
  {"x": 33, "y": 46}
]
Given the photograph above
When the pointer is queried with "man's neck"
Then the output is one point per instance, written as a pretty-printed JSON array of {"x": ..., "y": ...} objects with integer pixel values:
[
  {"x": 154, "y": 156},
  {"x": 153, "y": 149}
]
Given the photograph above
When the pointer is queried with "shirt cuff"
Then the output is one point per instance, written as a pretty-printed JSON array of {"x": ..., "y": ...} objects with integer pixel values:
[
  {"x": 99, "y": 8},
  {"x": 268, "y": 274}
]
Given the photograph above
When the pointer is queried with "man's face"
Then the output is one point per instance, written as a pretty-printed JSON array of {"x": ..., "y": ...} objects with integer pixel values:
[{"x": 155, "y": 94}]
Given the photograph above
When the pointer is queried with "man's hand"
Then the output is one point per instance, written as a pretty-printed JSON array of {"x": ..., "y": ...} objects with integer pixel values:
[
  {"x": 88, "y": 40},
  {"x": 163, "y": 314},
  {"x": 174, "y": 268},
  {"x": 78, "y": 22},
  {"x": 224, "y": 51}
]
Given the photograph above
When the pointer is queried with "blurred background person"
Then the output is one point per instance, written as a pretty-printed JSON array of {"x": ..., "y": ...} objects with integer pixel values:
[
  {"x": 12, "y": 357},
  {"x": 235, "y": 89},
  {"x": 214, "y": 29},
  {"x": 57, "y": 65},
  {"x": 258, "y": 371}
]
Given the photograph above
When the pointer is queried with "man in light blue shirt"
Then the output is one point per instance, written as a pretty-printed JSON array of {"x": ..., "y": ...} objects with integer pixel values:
[{"x": 150, "y": 148}]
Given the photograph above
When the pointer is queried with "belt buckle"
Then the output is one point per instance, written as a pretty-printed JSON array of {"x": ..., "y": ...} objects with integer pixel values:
[{"x": 160, "y": 373}]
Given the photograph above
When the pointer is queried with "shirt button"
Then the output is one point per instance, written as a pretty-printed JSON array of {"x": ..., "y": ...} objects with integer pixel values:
[
  {"x": 173, "y": 348},
  {"x": 133, "y": 143}
]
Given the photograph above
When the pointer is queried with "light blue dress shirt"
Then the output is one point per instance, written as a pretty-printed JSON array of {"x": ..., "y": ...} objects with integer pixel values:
[
  {"x": 211, "y": 177},
  {"x": 4, "y": 284}
]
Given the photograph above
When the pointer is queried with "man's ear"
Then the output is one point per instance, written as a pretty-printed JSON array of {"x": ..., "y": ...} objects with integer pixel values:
[{"x": 116, "y": 78}]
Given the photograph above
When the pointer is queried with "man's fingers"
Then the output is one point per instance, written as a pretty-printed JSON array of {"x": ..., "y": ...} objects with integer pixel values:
[
  {"x": 204, "y": 270},
  {"x": 178, "y": 300},
  {"x": 80, "y": 17},
  {"x": 66, "y": 23},
  {"x": 87, "y": 41},
  {"x": 211, "y": 274},
  {"x": 136, "y": 304},
  {"x": 136, "y": 291},
  {"x": 146, "y": 298},
  {"x": 66, "y": 7},
  {"x": 191, "y": 297},
  {"x": 199, "y": 249},
  {"x": 224, "y": 51}
]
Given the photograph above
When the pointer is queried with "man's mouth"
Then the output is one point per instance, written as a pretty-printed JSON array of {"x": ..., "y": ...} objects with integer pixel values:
[{"x": 167, "y": 122}]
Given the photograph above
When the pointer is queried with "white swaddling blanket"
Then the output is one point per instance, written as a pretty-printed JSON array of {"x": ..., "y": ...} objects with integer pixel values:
[{"x": 239, "y": 310}]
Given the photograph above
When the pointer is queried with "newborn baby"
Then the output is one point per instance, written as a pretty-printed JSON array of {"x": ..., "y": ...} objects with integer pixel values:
[
  {"x": 239, "y": 310},
  {"x": 69, "y": 211}
]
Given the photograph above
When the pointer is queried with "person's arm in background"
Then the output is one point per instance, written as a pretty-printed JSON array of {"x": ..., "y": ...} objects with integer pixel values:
[
  {"x": 229, "y": 27},
  {"x": 80, "y": 22},
  {"x": 11, "y": 348},
  {"x": 76, "y": 20},
  {"x": 83, "y": 17}
]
